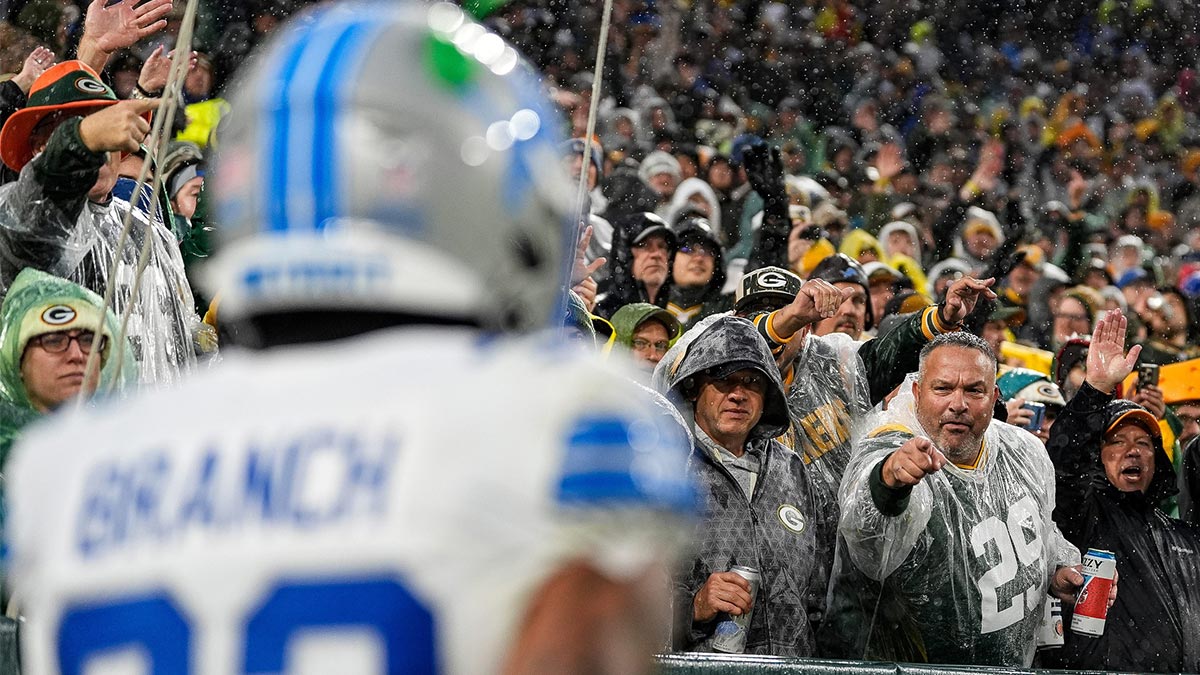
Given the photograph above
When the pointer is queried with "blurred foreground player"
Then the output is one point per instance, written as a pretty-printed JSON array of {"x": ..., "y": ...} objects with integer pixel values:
[{"x": 424, "y": 499}]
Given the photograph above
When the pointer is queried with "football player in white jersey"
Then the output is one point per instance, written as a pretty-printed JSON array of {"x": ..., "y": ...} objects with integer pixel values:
[{"x": 425, "y": 498}]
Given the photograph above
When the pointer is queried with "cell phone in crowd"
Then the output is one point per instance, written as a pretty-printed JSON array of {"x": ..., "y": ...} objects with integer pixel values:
[
  {"x": 1039, "y": 415},
  {"x": 1147, "y": 375}
]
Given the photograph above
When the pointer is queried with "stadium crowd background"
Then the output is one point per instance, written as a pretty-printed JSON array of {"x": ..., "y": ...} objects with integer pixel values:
[{"x": 1053, "y": 146}]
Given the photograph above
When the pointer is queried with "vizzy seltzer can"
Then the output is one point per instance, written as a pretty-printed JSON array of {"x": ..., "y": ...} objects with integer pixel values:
[
  {"x": 1050, "y": 631},
  {"x": 730, "y": 635},
  {"x": 1091, "y": 603}
]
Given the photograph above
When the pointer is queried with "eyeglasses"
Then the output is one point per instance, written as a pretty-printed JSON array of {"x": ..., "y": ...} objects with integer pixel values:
[
  {"x": 752, "y": 381},
  {"x": 56, "y": 343},
  {"x": 692, "y": 249},
  {"x": 643, "y": 345}
]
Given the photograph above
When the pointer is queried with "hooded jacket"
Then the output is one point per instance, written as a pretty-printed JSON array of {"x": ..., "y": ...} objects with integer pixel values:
[
  {"x": 621, "y": 288},
  {"x": 32, "y": 294},
  {"x": 777, "y": 531},
  {"x": 681, "y": 201},
  {"x": 47, "y": 222},
  {"x": 689, "y": 305},
  {"x": 625, "y": 321},
  {"x": 1156, "y": 620}
]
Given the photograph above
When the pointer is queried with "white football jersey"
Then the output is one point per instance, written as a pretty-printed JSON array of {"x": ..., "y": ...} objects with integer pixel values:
[{"x": 386, "y": 504}]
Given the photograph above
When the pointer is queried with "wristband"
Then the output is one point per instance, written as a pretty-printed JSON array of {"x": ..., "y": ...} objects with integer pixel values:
[{"x": 139, "y": 93}]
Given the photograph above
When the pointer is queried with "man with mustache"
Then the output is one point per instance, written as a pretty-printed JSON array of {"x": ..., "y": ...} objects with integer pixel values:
[
  {"x": 950, "y": 511},
  {"x": 854, "y": 314},
  {"x": 1112, "y": 473},
  {"x": 760, "y": 506}
]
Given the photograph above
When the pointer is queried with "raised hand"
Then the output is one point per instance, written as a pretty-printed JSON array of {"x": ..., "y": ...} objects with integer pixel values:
[
  {"x": 157, "y": 69},
  {"x": 910, "y": 464},
  {"x": 991, "y": 163},
  {"x": 35, "y": 64},
  {"x": 581, "y": 269},
  {"x": 764, "y": 169},
  {"x": 123, "y": 23},
  {"x": 1151, "y": 398},
  {"x": 962, "y": 296},
  {"x": 889, "y": 162},
  {"x": 817, "y": 299},
  {"x": 1107, "y": 361}
]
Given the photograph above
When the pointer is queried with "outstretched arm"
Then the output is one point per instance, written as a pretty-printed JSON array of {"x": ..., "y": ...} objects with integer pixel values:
[
  {"x": 893, "y": 355},
  {"x": 1075, "y": 438}
]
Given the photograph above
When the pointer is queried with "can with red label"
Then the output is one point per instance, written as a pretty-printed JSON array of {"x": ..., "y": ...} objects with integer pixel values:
[{"x": 1091, "y": 603}]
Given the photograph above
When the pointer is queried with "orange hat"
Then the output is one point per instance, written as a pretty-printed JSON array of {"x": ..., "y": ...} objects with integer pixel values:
[
  {"x": 69, "y": 86},
  {"x": 1160, "y": 220}
]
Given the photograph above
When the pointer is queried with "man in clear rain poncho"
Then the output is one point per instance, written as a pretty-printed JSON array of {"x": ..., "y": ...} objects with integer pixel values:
[
  {"x": 60, "y": 216},
  {"x": 951, "y": 511}
]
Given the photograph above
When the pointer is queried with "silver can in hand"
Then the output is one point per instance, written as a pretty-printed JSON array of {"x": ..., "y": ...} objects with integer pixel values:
[{"x": 730, "y": 635}]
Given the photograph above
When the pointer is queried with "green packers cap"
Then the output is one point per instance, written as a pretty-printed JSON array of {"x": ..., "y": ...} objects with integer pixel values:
[{"x": 68, "y": 86}]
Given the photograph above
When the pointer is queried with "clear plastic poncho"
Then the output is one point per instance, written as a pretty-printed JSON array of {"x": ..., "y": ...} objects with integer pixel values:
[
  {"x": 963, "y": 571},
  {"x": 77, "y": 239}
]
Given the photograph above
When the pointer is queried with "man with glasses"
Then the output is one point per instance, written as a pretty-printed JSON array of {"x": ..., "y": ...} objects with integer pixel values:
[
  {"x": 759, "y": 503},
  {"x": 47, "y": 330},
  {"x": 647, "y": 331},
  {"x": 698, "y": 273}
]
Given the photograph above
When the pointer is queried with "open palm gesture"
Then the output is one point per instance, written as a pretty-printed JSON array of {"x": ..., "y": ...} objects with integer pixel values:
[
  {"x": 1107, "y": 361},
  {"x": 123, "y": 23}
]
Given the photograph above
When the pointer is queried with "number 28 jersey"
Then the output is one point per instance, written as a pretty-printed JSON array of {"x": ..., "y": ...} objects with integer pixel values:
[
  {"x": 388, "y": 504},
  {"x": 966, "y": 565}
]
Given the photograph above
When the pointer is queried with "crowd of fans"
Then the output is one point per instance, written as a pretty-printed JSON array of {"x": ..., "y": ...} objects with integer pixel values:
[{"x": 812, "y": 224}]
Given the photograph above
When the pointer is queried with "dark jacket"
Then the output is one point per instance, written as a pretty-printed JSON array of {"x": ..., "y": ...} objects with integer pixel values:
[
  {"x": 779, "y": 531},
  {"x": 689, "y": 305},
  {"x": 621, "y": 288},
  {"x": 1155, "y": 623},
  {"x": 737, "y": 531},
  {"x": 12, "y": 99},
  {"x": 48, "y": 222}
]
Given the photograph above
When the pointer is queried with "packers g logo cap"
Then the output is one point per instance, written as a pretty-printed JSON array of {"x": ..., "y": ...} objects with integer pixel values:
[{"x": 69, "y": 86}]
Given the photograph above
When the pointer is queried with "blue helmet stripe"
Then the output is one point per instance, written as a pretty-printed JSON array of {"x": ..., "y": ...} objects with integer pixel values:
[
  {"x": 302, "y": 95},
  {"x": 334, "y": 87},
  {"x": 309, "y": 69},
  {"x": 275, "y": 190}
]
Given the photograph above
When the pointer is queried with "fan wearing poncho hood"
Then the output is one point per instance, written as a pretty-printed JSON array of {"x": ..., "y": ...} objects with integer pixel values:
[
  {"x": 60, "y": 217},
  {"x": 760, "y": 507},
  {"x": 979, "y": 238},
  {"x": 1112, "y": 473},
  {"x": 690, "y": 298},
  {"x": 936, "y": 543},
  {"x": 906, "y": 258},
  {"x": 685, "y": 204},
  {"x": 37, "y": 304}
]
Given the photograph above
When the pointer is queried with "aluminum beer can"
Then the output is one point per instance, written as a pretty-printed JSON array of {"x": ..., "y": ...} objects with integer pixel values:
[
  {"x": 1091, "y": 604},
  {"x": 1050, "y": 631},
  {"x": 730, "y": 635}
]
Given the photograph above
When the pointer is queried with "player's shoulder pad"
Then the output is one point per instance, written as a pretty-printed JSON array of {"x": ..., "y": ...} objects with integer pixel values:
[{"x": 627, "y": 457}]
